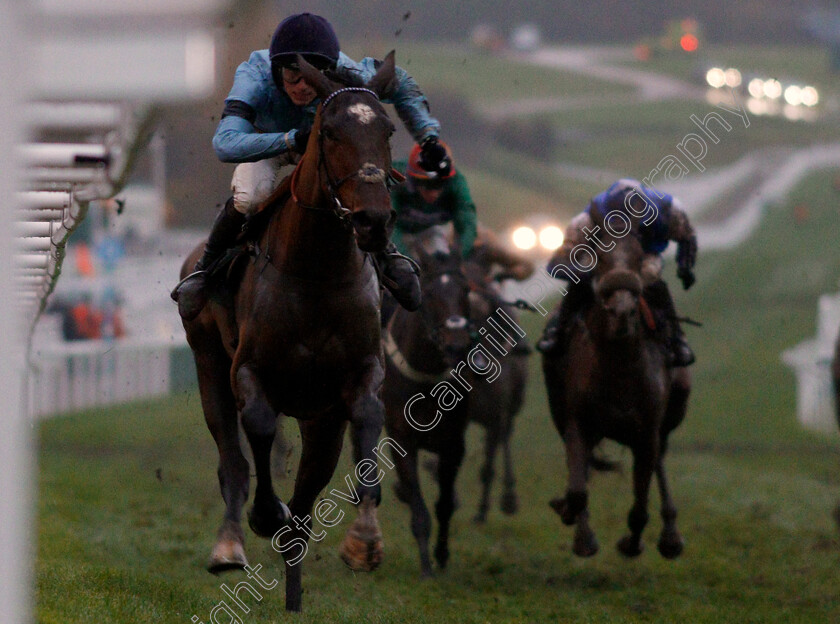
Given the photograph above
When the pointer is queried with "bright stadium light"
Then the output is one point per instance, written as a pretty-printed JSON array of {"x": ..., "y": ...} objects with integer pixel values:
[
  {"x": 551, "y": 237},
  {"x": 756, "y": 88},
  {"x": 524, "y": 237},
  {"x": 732, "y": 77},
  {"x": 773, "y": 89},
  {"x": 809, "y": 96},
  {"x": 793, "y": 95},
  {"x": 716, "y": 77}
]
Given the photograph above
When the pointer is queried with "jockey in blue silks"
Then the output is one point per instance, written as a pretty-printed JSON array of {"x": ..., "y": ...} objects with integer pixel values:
[
  {"x": 667, "y": 222},
  {"x": 266, "y": 124}
]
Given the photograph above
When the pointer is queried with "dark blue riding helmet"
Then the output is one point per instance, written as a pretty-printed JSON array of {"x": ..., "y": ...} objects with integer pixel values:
[{"x": 306, "y": 34}]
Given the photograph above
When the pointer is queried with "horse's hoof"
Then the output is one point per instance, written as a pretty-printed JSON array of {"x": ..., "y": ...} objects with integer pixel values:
[
  {"x": 227, "y": 555},
  {"x": 585, "y": 544},
  {"x": 480, "y": 517},
  {"x": 267, "y": 523},
  {"x": 362, "y": 555},
  {"x": 671, "y": 546},
  {"x": 510, "y": 504},
  {"x": 561, "y": 509},
  {"x": 630, "y": 547},
  {"x": 363, "y": 549}
]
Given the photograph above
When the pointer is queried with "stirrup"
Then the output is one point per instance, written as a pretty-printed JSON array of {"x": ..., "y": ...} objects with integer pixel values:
[{"x": 176, "y": 291}]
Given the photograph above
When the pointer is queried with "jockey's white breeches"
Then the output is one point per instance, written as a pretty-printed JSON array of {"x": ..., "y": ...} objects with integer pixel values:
[{"x": 254, "y": 182}]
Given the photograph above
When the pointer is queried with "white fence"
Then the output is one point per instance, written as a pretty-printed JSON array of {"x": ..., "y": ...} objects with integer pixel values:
[
  {"x": 72, "y": 376},
  {"x": 811, "y": 362}
]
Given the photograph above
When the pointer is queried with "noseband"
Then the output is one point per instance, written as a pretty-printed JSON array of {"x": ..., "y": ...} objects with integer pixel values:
[
  {"x": 368, "y": 173},
  {"x": 434, "y": 329}
]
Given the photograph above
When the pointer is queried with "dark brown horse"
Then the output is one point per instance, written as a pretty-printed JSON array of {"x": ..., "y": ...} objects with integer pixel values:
[
  {"x": 613, "y": 383},
  {"x": 425, "y": 406},
  {"x": 494, "y": 406},
  {"x": 302, "y": 336}
]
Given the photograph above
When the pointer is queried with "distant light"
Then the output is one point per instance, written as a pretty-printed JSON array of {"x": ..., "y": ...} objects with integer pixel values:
[
  {"x": 793, "y": 95},
  {"x": 773, "y": 89},
  {"x": 716, "y": 77},
  {"x": 757, "y": 106},
  {"x": 756, "y": 88},
  {"x": 809, "y": 96},
  {"x": 551, "y": 237},
  {"x": 793, "y": 112},
  {"x": 689, "y": 42},
  {"x": 732, "y": 77},
  {"x": 524, "y": 237}
]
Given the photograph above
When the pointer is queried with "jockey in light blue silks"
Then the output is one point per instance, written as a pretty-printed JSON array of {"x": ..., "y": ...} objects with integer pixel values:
[
  {"x": 266, "y": 124},
  {"x": 670, "y": 223}
]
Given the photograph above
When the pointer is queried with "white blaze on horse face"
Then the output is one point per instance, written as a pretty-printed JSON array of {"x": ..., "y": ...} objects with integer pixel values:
[{"x": 362, "y": 112}]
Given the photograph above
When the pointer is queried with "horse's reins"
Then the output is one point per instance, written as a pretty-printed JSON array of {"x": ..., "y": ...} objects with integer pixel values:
[{"x": 369, "y": 173}]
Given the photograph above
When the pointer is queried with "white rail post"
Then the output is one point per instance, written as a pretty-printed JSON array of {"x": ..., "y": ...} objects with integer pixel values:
[{"x": 16, "y": 448}]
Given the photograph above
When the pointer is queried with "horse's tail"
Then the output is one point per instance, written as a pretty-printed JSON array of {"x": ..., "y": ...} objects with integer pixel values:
[{"x": 602, "y": 464}]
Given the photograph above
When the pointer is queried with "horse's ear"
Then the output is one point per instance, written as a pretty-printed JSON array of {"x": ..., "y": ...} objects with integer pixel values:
[
  {"x": 385, "y": 80},
  {"x": 315, "y": 79}
]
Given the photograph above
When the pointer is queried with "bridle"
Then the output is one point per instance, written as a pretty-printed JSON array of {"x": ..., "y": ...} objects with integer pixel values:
[
  {"x": 433, "y": 328},
  {"x": 368, "y": 173}
]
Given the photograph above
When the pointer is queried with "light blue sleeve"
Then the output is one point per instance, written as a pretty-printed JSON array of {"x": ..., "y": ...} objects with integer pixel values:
[
  {"x": 407, "y": 98},
  {"x": 236, "y": 140}
]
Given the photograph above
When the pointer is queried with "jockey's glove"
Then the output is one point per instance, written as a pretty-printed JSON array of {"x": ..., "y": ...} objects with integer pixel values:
[
  {"x": 433, "y": 157},
  {"x": 686, "y": 276},
  {"x": 686, "y": 258},
  {"x": 301, "y": 138}
]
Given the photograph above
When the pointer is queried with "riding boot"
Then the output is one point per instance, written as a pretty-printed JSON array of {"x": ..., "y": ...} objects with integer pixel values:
[
  {"x": 400, "y": 276},
  {"x": 191, "y": 292},
  {"x": 659, "y": 297},
  {"x": 556, "y": 333}
]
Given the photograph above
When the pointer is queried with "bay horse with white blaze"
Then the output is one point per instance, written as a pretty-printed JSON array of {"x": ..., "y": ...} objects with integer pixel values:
[
  {"x": 302, "y": 336},
  {"x": 613, "y": 382}
]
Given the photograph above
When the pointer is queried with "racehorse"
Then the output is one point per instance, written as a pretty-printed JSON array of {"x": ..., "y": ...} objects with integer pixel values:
[
  {"x": 613, "y": 383},
  {"x": 495, "y": 406},
  {"x": 302, "y": 335},
  {"x": 421, "y": 349}
]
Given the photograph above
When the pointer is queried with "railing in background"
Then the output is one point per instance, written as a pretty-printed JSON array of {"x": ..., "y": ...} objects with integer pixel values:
[
  {"x": 811, "y": 362},
  {"x": 73, "y": 376}
]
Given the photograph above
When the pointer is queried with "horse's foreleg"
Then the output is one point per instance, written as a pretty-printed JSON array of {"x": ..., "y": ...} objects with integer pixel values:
[
  {"x": 410, "y": 493},
  {"x": 450, "y": 462},
  {"x": 487, "y": 474},
  {"x": 213, "y": 367},
  {"x": 645, "y": 459},
  {"x": 510, "y": 501},
  {"x": 268, "y": 514},
  {"x": 573, "y": 508},
  {"x": 362, "y": 548},
  {"x": 321, "y": 447},
  {"x": 671, "y": 542}
]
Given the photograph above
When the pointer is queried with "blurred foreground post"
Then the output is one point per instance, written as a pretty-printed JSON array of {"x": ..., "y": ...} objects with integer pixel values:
[{"x": 16, "y": 449}]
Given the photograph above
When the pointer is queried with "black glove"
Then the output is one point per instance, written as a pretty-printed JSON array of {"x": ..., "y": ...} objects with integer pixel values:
[
  {"x": 433, "y": 157},
  {"x": 686, "y": 277},
  {"x": 686, "y": 257},
  {"x": 301, "y": 138}
]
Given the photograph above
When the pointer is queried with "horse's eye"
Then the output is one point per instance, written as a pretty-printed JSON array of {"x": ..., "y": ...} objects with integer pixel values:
[{"x": 329, "y": 134}]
